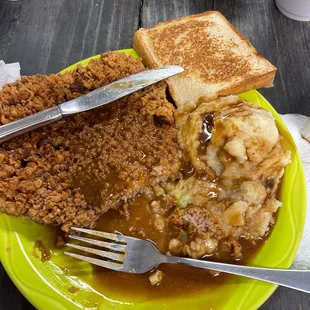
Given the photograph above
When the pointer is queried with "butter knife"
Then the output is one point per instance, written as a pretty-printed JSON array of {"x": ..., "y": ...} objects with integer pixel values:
[{"x": 94, "y": 99}]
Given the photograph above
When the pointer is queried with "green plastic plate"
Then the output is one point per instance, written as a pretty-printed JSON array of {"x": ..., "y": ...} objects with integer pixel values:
[{"x": 46, "y": 285}]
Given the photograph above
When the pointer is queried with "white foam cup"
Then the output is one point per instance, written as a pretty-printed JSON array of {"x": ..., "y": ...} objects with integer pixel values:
[{"x": 295, "y": 9}]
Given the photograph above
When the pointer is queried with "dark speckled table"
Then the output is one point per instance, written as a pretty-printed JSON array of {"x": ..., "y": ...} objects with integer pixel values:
[{"x": 46, "y": 36}]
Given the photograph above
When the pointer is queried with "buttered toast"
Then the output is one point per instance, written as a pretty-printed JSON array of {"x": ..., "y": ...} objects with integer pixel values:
[{"x": 218, "y": 60}]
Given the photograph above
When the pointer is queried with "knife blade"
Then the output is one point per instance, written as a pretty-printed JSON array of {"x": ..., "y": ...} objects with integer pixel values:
[
  {"x": 118, "y": 89},
  {"x": 94, "y": 99}
]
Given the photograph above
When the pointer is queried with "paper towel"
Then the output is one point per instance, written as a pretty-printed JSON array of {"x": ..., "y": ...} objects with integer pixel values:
[
  {"x": 9, "y": 72},
  {"x": 296, "y": 124}
]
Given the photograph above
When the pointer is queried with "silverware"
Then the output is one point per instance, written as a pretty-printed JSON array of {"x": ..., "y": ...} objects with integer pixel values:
[
  {"x": 94, "y": 99},
  {"x": 132, "y": 255}
]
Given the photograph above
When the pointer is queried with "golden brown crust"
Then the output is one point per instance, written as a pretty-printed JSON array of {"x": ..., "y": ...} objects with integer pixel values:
[
  {"x": 188, "y": 17},
  {"x": 142, "y": 49},
  {"x": 252, "y": 82}
]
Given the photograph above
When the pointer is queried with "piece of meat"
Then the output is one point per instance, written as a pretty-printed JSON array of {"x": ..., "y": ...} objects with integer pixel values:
[
  {"x": 198, "y": 220},
  {"x": 71, "y": 172}
]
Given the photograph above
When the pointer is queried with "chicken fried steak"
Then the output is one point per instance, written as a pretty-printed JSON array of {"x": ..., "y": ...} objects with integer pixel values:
[{"x": 73, "y": 171}]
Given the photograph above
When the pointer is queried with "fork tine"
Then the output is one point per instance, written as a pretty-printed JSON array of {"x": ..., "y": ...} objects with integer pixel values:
[
  {"x": 104, "y": 254},
  {"x": 97, "y": 233},
  {"x": 95, "y": 261},
  {"x": 107, "y": 245}
]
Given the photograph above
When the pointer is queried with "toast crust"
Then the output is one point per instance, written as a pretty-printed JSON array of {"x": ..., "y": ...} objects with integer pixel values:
[{"x": 260, "y": 81}]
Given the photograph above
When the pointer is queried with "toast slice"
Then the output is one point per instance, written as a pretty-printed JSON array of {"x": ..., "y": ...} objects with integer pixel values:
[{"x": 218, "y": 60}]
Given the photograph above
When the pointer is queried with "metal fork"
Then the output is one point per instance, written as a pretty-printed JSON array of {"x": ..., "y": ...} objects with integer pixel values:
[{"x": 132, "y": 255}]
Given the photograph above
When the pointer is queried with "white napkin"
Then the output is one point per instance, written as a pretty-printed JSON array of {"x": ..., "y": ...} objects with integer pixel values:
[
  {"x": 297, "y": 124},
  {"x": 9, "y": 72}
]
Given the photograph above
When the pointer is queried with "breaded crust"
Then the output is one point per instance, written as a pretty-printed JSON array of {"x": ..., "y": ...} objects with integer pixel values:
[{"x": 73, "y": 171}]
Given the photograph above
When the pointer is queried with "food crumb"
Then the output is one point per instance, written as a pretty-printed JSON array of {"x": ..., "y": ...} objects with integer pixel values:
[
  {"x": 45, "y": 253},
  {"x": 64, "y": 269},
  {"x": 60, "y": 242},
  {"x": 156, "y": 277},
  {"x": 73, "y": 289},
  {"x": 214, "y": 273}
]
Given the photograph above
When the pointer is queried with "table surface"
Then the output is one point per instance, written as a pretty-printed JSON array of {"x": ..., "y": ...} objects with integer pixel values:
[{"x": 46, "y": 36}]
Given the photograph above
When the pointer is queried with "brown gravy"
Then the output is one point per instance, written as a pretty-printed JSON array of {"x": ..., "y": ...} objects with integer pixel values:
[
  {"x": 178, "y": 280},
  {"x": 206, "y": 131}
]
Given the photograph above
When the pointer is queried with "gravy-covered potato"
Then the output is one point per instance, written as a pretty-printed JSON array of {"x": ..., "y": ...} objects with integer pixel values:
[{"x": 239, "y": 158}]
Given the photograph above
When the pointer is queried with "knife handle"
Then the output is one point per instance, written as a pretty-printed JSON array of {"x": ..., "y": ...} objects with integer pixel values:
[{"x": 29, "y": 123}]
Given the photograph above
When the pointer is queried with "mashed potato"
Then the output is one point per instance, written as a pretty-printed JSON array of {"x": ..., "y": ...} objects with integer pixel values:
[{"x": 239, "y": 159}]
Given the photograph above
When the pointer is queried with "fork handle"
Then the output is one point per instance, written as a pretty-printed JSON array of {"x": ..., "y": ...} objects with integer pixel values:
[{"x": 295, "y": 279}]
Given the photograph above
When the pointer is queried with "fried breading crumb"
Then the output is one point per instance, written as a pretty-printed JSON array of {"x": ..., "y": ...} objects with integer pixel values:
[
  {"x": 60, "y": 242},
  {"x": 73, "y": 289},
  {"x": 45, "y": 253}
]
